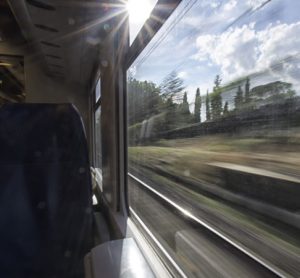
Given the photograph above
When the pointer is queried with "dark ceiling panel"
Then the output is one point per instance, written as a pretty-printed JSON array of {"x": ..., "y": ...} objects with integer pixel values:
[
  {"x": 50, "y": 44},
  {"x": 46, "y": 28},
  {"x": 41, "y": 5},
  {"x": 9, "y": 29}
]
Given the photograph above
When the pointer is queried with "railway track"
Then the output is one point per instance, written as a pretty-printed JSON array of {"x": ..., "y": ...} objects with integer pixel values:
[{"x": 265, "y": 254}]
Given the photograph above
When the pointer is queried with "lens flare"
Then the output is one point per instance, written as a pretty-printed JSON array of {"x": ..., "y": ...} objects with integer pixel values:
[{"x": 139, "y": 10}]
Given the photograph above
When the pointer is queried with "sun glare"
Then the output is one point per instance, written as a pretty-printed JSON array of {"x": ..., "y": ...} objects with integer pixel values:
[{"x": 139, "y": 10}]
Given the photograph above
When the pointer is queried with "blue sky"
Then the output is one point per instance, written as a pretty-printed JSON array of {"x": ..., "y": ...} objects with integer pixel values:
[{"x": 232, "y": 38}]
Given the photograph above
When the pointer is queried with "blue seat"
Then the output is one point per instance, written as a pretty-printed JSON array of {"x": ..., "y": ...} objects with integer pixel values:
[{"x": 45, "y": 191}]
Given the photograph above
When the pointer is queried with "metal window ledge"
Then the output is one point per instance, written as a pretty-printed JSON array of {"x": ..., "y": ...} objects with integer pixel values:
[{"x": 118, "y": 258}]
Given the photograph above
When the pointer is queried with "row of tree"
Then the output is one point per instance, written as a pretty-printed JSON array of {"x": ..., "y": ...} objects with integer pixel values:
[
  {"x": 214, "y": 104},
  {"x": 146, "y": 99}
]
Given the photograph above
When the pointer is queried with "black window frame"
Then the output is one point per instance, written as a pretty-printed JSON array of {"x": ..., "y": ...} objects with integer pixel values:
[{"x": 162, "y": 11}]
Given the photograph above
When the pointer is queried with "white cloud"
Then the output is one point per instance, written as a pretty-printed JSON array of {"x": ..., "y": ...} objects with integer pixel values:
[
  {"x": 191, "y": 89},
  {"x": 256, "y": 3},
  {"x": 228, "y": 50},
  {"x": 182, "y": 74},
  {"x": 242, "y": 50},
  {"x": 230, "y": 5},
  {"x": 215, "y": 4},
  {"x": 209, "y": 13}
]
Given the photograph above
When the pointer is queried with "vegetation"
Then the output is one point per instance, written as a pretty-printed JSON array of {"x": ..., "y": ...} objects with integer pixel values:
[
  {"x": 207, "y": 103},
  {"x": 239, "y": 99},
  {"x": 197, "y": 109},
  {"x": 236, "y": 157},
  {"x": 216, "y": 99},
  {"x": 239, "y": 126},
  {"x": 170, "y": 100},
  {"x": 171, "y": 87}
]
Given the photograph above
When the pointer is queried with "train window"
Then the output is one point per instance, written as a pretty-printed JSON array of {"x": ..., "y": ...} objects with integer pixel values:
[
  {"x": 12, "y": 79},
  {"x": 213, "y": 135},
  {"x": 139, "y": 11}
]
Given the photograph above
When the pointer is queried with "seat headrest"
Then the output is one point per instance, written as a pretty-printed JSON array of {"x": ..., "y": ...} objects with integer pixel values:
[{"x": 41, "y": 133}]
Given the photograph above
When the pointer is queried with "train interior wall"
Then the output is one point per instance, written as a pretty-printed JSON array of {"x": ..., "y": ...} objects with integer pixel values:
[{"x": 41, "y": 88}]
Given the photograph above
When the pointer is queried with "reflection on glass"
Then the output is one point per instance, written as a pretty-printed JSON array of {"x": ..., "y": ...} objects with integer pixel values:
[
  {"x": 98, "y": 142},
  {"x": 98, "y": 91},
  {"x": 139, "y": 11},
  {"x": 214, "y": 124}
]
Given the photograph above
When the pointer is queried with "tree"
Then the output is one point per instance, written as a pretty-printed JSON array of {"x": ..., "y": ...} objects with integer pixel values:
[
  {"x": 216, "y": 104},
  {"x": 185, "y": 98},
  {"x": 207, "y": 107},
  {"x": 217, "y": 81},
  {"x": 170, "y": 114},
  {"x": 225, "y": 110},
  {"x": 197, "y": 109},
  {"x": 238, "y": 99},
  {"x": 247, "y": 91},
  {"x": 171, "y": 86},
  {"x": 290, "y": 93},
  {"x": 274, "y": 92},
  {"x": 144, "y": 100},
  {"x": 185, "y": 105},
  {"x": 183, "y": 115},
  {"x": 216, "y": 99}
]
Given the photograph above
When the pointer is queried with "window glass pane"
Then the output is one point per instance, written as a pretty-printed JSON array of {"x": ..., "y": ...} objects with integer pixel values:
[
  {"x": 98, "y": 142},
  {"x": 213, "y": 126},
  {"x": 139, "y": 11},
  {"x": 98, "y": 90}
]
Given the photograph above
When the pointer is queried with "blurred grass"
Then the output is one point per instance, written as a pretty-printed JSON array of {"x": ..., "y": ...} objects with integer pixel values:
[
  {"x": 192, "y": 154},
  {"x": 190, "y": 157},
  {"x": 240, "y": 219}
]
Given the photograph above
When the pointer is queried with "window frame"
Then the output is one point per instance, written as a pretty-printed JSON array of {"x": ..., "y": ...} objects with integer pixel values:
[
  {"x": 163, "y": 9},
  {"x": 95, "y": 105}
]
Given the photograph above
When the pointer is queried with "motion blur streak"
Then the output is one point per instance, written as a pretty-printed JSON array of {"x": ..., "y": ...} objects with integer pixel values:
[{"x": 214, "y": 125}]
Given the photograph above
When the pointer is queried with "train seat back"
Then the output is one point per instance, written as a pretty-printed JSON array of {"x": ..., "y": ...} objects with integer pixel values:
[{"x": 45, "y": 191}]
